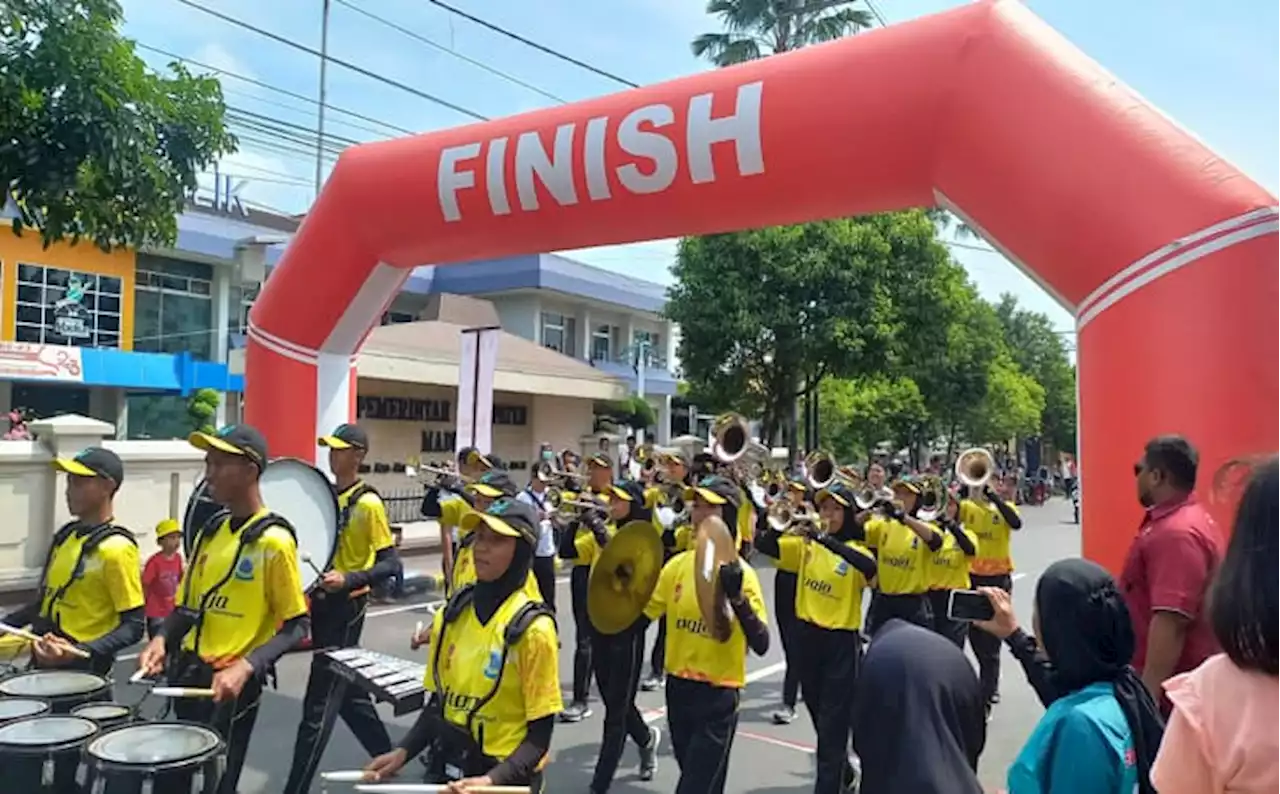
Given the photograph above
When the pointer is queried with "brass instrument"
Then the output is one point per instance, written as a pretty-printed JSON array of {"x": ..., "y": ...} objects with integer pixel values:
[
  {"x": 566, "y": 507},
  {"x": 867, "y": 497},
  {"x": 713, "y": 546},
  {"x": 933, "y": 498},
  {"x": 434, "y": 475},
  {"x": 820, "y": 469},
  {"x": 673, "y": 496},
  {"x": 794, "y": 519},
  {"x": 544, "y": 472},
  {"x": 624, "y": 577},
  {"x": 975, "y": 467},
  {"x": 775, "y": 483},
  {"x": 732, "y": 437},
  {"x": 647, "y": 457}
]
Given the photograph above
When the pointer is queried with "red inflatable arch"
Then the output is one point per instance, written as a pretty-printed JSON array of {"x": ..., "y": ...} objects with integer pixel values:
[{"x": 1166, "y": 253}]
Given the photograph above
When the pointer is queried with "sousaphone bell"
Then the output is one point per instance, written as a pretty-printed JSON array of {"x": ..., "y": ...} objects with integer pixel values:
[
  {"x": 713, "y": 546},
  {"x": 624, "y": 577}
]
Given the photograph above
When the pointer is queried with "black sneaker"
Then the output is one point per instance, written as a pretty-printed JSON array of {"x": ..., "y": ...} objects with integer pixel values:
[
  {"x": 784, "y": 716},
  {"x": 649, "y": 754},
  {"x": 651, "y": 683},
  {"x": 575, "y": 712}
]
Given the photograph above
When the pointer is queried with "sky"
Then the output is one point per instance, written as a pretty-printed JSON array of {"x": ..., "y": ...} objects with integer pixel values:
[{"x": 1212, "y": 67}]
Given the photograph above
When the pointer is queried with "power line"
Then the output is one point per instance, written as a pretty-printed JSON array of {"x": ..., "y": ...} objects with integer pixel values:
[
  {"x": 423, "y": 39},
  {"x": 360, "y": 70},
  {"x": 529, "y": 43}
]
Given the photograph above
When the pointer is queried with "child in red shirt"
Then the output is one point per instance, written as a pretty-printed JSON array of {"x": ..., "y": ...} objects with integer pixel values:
[{"x": 161, "y": 575}]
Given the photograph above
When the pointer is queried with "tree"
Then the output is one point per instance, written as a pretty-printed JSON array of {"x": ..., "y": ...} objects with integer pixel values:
[
  {"x": 633, "y": 411},
  {"x": 859, "y": 414},
  {"x": 95, "y": 145},
  {"x": 1011, "y": 406},
  {"x": 757, "y": 28},
  {"x": 202, "y": 406},
  {"x": 1040, "y": 352}
]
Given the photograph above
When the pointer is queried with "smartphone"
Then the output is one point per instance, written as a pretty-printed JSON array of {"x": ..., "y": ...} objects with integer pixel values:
[{"x": 969, "y": 605}]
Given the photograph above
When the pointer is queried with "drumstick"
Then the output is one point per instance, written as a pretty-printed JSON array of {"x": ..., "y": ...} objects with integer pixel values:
[
  {"x": 344, "y": 776},
  {"x": 307, "y": 559},
  {"x": 433, "y": 788},
  {"x": 181, "y": 692},
  {"x": 137, "y": 677},
  {"x": 5, "y": 628}
]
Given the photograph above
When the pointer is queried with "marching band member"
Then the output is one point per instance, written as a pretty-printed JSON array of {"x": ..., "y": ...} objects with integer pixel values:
[
  {"x": 544, "y": 553},
  {"x": 365, "y": 557},
  {"x": 833, "y": 567},
  {"x": 705, "y": 677},
  {"x": 492, "y": 485},
  {"x": 599, "y": 483},
  {"x": 949, "y": 570},
  {"x": 619, "y": 658},
  {"x": 242, "y": 605},
  {"x": 674, "y": 474},
  {"x": 492, "y": 668},
  {"x": 784, "y": 607},
  {"x": 90, "y": 594},
  {"x": 993, "y": 517},
  {"x": 447, "y": 502},
  {"x": 904, "y": 546}
]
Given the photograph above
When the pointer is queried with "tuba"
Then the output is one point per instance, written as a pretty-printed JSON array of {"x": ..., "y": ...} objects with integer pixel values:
[
  {"x": 975, "y": 467},
  {"x": 732, "y": 437},
  {"x": 820, "y": 469}
]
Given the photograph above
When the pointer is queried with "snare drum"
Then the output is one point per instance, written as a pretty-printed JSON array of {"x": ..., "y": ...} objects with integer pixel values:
[
  {"x": 63, "y": 689},
  {"x": 21, "y": 708},
  {"x": 41, "y": 755},
  {"x": 155, "y": 758},
  {"x": 107, "y": 715}
]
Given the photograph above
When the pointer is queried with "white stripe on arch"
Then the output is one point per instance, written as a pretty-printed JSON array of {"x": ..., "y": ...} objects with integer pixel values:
[
  {"x": 365, "y": 309},
  {"x": 333, "y": 399}
]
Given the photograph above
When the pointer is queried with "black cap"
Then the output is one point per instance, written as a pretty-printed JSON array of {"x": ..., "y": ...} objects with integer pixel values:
[
  {"x": 507, "y": 516},
  {"x": 345, "y": 437},
  {"x": 495, "y": 462},
  {"x": 716, "y": 490},
  {"x": 234, "y": 440},
  {"x": 93, "y": 462},
  {"x": 464, "y": 454},
  {"x": 676, "y": 456},
  {"x": 600, "y": 459},
  {"x": 838, "y": 491},
  {"x": 493, "y": 484}
]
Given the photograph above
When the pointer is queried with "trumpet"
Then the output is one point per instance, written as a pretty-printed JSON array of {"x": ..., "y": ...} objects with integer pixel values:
[
  {"x": 975, "y": 467},
  {"x": 732, "y": 437},
  {"x": 820, "y": 469},
  {"x": 933, "y": 498},
  {"x": 793, "y": 519}
]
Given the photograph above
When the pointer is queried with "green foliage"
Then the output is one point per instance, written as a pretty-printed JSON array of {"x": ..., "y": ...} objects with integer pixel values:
[
  {"x": 634, "y": 411},
  {"x": 757, "y": 28},
  {"x": 1011, "y": 406},
  {"x": 96, "y": 146},
  {"x": 202, "y": 406},
  {"x": 858, "y": 414},
  {"x": 1040, "y": 352}
]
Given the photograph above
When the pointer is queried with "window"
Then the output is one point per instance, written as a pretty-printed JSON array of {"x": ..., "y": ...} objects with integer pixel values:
[
  {"x": 173, "y": 307},
  {"x": 602, "y": 343},
  {"x": 558, "y": 332},
  {"x": 65, "y": 307},
  {"x": 653, "y": 341},
  {"x": 247, "y": 294},
  {"x": 392, "y": 318}
]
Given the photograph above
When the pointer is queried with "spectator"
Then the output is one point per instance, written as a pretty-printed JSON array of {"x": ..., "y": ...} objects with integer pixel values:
[
  {"x": 1222, "y": 735},
  {"x": 161, "y": 575},
  {"x": 1170, "y": 565},
  {"x": 1102, "y": 728}
]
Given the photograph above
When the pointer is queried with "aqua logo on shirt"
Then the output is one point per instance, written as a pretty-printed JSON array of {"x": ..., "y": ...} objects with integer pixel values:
[
  {"x": 494, "y": 667},
  {"x": 244, "y": 569},
  {"x": 842, "y": 568}
]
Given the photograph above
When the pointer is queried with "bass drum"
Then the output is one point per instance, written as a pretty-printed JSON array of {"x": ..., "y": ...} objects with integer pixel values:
[{"x": 296, "y": 490}]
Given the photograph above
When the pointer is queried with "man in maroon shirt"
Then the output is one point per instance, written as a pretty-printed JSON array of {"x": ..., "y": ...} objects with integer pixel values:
[{"x": 1170, "y": 565}]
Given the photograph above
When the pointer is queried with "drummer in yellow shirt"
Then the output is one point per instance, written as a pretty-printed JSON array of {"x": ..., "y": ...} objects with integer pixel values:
[
  {"x": 949, "y": 570},
  {"x": 492, "y": 668},
  {"x": 904, "y": 550},
  {"x": 705, "y": 677}
]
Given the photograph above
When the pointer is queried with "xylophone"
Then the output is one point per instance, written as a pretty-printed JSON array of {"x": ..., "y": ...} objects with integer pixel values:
[{"x": 388, "y": 679}]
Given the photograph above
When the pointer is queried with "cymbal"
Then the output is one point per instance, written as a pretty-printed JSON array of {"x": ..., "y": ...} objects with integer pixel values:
[
  {"x": 624, "y": 577},
  {"x": 713, "y": 546}
]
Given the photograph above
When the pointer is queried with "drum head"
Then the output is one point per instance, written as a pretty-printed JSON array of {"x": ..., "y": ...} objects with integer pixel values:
[
  {"x": 154, "y": 743},
  {"x": 302, "y": 493},
  {"x": 200, "y": 508},
  {"x": 47, "y": 731},
  {"x": 100, "y": 711},
  {"x": 18, "y": 708},
  {"x": 52, "y": 683}
]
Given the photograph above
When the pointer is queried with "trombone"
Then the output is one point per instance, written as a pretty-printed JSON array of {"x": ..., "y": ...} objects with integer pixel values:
[
  {"x": 975, "y": 467},
  {"x": 434, "y": 475},
  {"x": 794, "y": 519}
]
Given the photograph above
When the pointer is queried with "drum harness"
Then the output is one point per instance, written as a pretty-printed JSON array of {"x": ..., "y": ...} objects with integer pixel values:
[
  {"x": 248, "y": 534},
  {"x": 358, "y": 492},
  {"x": 94, "y": 538},
  {"x": 454, "y": 751}
]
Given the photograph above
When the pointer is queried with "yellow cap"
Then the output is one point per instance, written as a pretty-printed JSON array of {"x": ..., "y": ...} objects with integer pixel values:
[{"x": 167, "y": 527}]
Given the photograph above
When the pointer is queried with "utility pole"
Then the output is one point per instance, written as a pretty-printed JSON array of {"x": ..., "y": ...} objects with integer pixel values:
[{"x": 324, "y": 68}]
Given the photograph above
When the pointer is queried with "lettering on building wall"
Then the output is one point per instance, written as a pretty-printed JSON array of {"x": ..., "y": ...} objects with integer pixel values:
[
  {"x": 438, "y": 440},
  {"x": 510, "y": 415},
  {"x": 404, "y": 409},
  {"x": 645, "y": 134}
]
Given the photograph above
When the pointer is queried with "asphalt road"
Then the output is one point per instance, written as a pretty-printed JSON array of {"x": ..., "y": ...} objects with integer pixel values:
[{"x": 767, "y": 759}]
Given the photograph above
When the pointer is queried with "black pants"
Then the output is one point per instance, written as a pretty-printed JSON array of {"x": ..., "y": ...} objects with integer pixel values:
[
  {"x": 336, "y": 622},
  {"x": 827, "y": 661},
  {"x": 153, "y": 627},
  {"x": 582, "y": 632},
  {"x": 618, "y": 659},
  {"x": 911, "y": 607},
  {"x": 544, "y": 573},
  {"x": 986, "y": 647},
  {"x": 233, "y": 721},
  {"x": 702, "y": 720},
  {"x": 784, "y": 605},
  {"x": 954, "y": 630}
]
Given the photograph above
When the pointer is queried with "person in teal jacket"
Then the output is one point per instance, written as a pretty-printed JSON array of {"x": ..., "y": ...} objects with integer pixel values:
[{"x": 1101, "y": 731}]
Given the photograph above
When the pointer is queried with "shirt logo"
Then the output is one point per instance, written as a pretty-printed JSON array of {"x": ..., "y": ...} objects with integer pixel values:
[
  {"x": 494, "y": 666},
  {"x": 244, "y": 569},
  {"x": 679, "y": 590},
  {"x": 842, "y": 568}
]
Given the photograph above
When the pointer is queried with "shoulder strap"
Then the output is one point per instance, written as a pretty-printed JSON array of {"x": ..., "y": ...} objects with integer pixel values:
[
  {"x": 94, "y": 539},
  {"x": 253, "y": 533},
  {"x": 361, "y": 490},
  {"x": 59, "y": 538},
  {"x": 524, "y": 618}
]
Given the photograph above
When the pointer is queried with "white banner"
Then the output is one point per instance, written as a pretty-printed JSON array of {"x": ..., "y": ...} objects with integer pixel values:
[
  {"x": 476, "y": 364},
  {"x": 27, "y": 361}
]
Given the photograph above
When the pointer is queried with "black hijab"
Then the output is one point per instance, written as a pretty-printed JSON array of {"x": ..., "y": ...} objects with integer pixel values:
[
  {"x": 918, "y": 720},
  {"x": 1088, "y": 636}
]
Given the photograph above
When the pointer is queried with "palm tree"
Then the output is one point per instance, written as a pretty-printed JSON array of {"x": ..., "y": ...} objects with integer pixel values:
[{"x": 759, "y": 28}]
